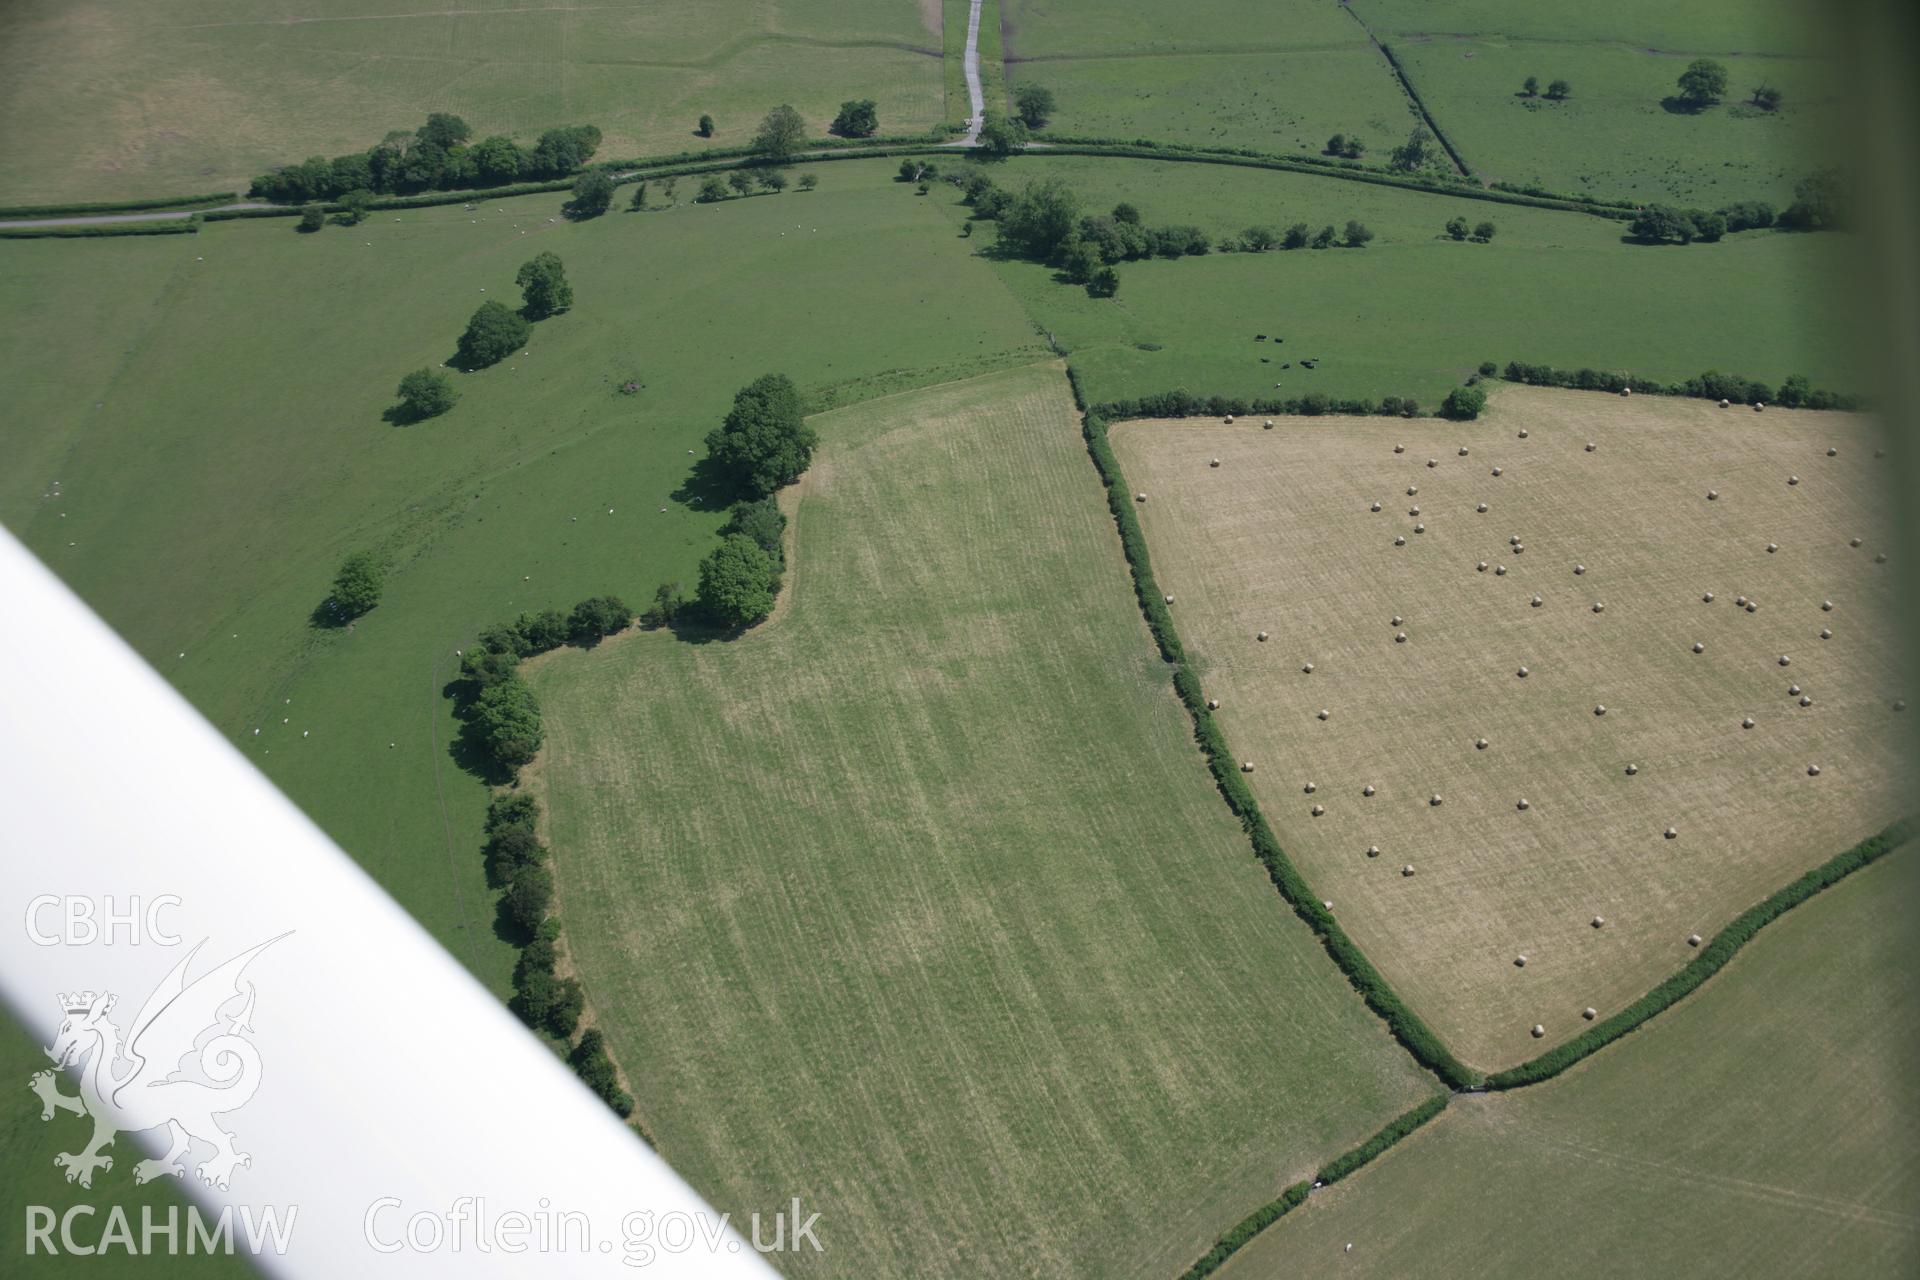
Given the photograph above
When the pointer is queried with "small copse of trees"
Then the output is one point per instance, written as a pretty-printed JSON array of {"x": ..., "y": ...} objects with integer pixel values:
[
  {"x": 434, "y": 157},
  {"x": 765, "y": 441}
]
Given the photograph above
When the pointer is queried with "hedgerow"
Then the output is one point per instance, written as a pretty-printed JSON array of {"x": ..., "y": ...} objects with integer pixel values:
[
  {"x": 1184, "y": 404},
  {"x": 1343, "y": 1165},
  {"x": 1419, "y": 104},
  {"x": 1793, "y": 393},
  {"x": 1406, "y": 1026},
  {"x": 185, "y": 226},
  {"x": 112, "y": 206},
  {"x": 1712, "y": 958},
  {"x": 1250, "y": 1226}
]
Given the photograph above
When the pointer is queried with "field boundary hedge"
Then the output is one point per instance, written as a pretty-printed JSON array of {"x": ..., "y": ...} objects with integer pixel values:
[
  {"x": 186, "y": 226},
  {"x": 1296, "y": 1194},
  {"x": 1420, "y": 105},
  {"x": 1405, "y": 1025},
  {"x": 1712, "y": 958},
  {"x": 10, "y": 212}
]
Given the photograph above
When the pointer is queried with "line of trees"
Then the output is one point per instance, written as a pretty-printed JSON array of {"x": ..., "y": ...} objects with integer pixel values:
[
  {"x": 437, "y": 156},
  {"x": 1480, "y": 233},
  {"x": 1819, "y": 204},
  {"x": 496, "y": 331},
  {"x": 1796, "y": 392},
  {"x": 1556, "y": 91}
]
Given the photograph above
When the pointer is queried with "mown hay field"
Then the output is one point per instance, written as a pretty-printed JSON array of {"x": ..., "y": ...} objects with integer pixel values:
[
  {"x": 211, "y": 405},
  {"x": 917, "y": 900},
  {"x": 109, "y": 100},
  {"x": 1281, "y": 538},
  {"x": 1768, "y": 1125}
]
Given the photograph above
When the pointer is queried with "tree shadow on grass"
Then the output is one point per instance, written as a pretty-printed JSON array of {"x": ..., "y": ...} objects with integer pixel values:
[
  {"x": 1675, "y": 105},
  {"x": 468, "y": 749},
  {"x": 328, "y": 616},
  {"x": 707, "y": 487}
]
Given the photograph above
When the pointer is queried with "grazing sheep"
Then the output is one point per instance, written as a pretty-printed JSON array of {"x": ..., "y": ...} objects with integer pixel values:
[
  {"x": 1806, "y": 699},
  {"x": 1412, "y": 489},
  {"x": 1214, "y": 462},
  {"x": 1772, "y": 547},
  {"x": 1599, "y": 922},
  {"x": 1399, "y": 637},
  {"x": 1318, "y": 810},
  {"x": 1139, "y": 497},
  {"x": 1793, "y": 691},
  {"x": 1793, "y": 479},
  {"x": 1600, "y": 710},
  {"x": 1396, "y": 620},
  {"x": 1463, "y": 451},
  {"x": 1433, "y": 462},
  {"x": 1420, "y": 528},
  {"x": 1400, "y": 542},
  {"x": 1826, "y": 633},
  {"x": 1853, "y": 542},
  {"x": 1785, "y": 661},
  {"x": 1599, "y": 607},
  {"x": 1399, "y": 448},
  {"x": 1713, "y": 495}
]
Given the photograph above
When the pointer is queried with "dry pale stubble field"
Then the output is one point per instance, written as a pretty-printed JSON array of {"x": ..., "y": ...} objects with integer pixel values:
[{"x": 1281, "y": 537}]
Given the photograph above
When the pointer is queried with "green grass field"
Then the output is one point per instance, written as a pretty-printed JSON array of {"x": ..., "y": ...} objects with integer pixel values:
[
  {"x": 1281, "y": 538},
  {"x": 1766, "y": 1126},
  {"x": 1414, "y": 312},
  {"x": 1279, "y": 78},
  {"x": 1614, "y": 138},
  {"x": 917, "y": 899},
  {"x": 211, "y": 408},
  {"x": 1703, "y": 27},
  {"x": 105, "y": 99}
]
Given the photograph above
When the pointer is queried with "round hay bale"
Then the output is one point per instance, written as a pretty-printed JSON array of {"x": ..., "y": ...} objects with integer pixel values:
[
  {"x": 1213, "y": 704},
  {"x": 1407, "y": 870},
  {"x": 1826, "y": 633},
  {"x": 1600, "y": 709},
  {"x": 1500, "y": 571},
  {"x": 1523, "y": 433},
  {"x": 1626, "y": 391},
  {"x": 1483, "y": 508},
  {"x": 1307, "y": 668},
  {"x": 1785, "y": 661},
  {"x": 1693, "y": 939},
  {"x": 1260, "y": 636},
  {"x": 1793, "y": 691},
  {"x": 1433, "y": 462},
  {"x": 1399, "y": 637},
  {"x": 1268, "y": 424},
  {"x": 1537, "y": 602},
  {"x": 1853, "y": 542},
  {"x": 1599, "y": 606},
  {"x": 1412, "y": 489},
  {"x": 1739, "y": 602},
  {"x": 1246, "y": 766},
  {"x": 1632, "y": 769},
  {"x": 1826, "y": 606},
  {"x": 1373, "y": 851},
  {"x": 1772, "y": 547},
  {"x": 1367, "y": 790},
  {"x": 1169, "y": 599},
  {"x": 1589, "y": 1014},
  {"x": 1325, "y": 714},
  {"x": 1519, "y": 962},
  {"x": 1318, "y": 810},
  {"x": 1479, "y": 744},
  {"x": 1376, "y": 506},
  {"x": 1229, "y": 419},
  {"x": 1513, "y": 539},
  {"x": 1899, "y": 704},
  {"x": 1708, "y": 598},
  {"x": 1433, "y": 801},
  {"x": 1793, "y": 480},
  {"x": 1599, "y": 922},
  {"x": 1326, "y": 904},
  {"x": 1399, "y": 448},
  {"x": 1496, "y": 471},
  {"x": 1813, "y": 771},
  {"x": 1672, "y": 833},
  {"x": 1310, "y": 788},
  {"x": 1413, "y": 511},
  {"x": 1758, "y": 406},
  {"x": 1420, "y": 528},
  {"x": 1698, "y": 647},
  {"x": 1522, "y": 804},
  {"x": 1832, "y": 453},
  {"x": 1463, "y": 451},
  {"x": 1713, "y": 495},
  {"x": 1538, "y": 1031},
  {"x": 1806, "y": 699},
  {"x": 1396, "y": 620},
  {"x": 1723, "y": 404},
  {"x": 1579, "y": 569},
  {"x": 1747, "y": 723},
  {"x": 1522, "y": 673},
  {"x": 1482, "y": 566},
  {"x": 1753, "y": 606},
  {"x": 1400, "y": 542},
  {"x": 1519, "y": 548},
  {"x": 1881, "y": 558},
  {"x": 1591, "y": 446},
  {"x": 1213, "y": 462},
  {"x": 1139, "y": 497}
]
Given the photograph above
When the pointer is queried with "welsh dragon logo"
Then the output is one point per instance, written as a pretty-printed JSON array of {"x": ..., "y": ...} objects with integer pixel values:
[{"x": 143, "y": 1082}]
